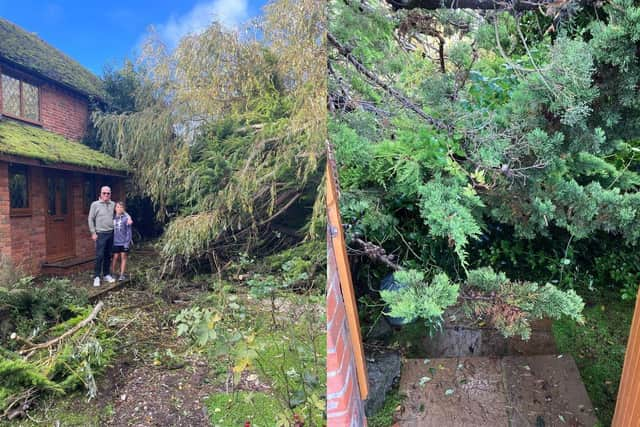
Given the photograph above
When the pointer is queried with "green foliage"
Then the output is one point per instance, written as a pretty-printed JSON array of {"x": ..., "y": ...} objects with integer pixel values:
[
  {"x": 418, "y": 299},
  {"x": 448, "y": 212},
  {"x": 226, "y": 132},
  {"x": 265, "y": 328},
  {"x": 32, "y": 307},
  {"x": 198, "y": 324},
  {"x": 542, "y": 144},
  {"x": 598, "y": 347},
  {"x": 486, "y": 279},
  {"x": 510, "y": 306},
  {"x": 385, "y": 415},
  {"x": 17, "y": 374},
  {"x": 74, "y": 364}
]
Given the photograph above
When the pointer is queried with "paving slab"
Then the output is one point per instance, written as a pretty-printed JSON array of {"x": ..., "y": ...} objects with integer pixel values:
[
  {"x": 546, "y": 391},
  {"x": 453, "y": 392},
  {"x": 513, "y": 391}
]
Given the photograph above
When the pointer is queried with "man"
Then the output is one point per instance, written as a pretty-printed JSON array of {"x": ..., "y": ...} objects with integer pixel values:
[{"x": 101, "y": 227}]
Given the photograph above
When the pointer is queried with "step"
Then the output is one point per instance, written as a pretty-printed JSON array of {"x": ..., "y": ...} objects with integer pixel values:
[
  {"x": 472, "y": 341},
  {"x": 68, "y": 266},
  {"x": 511, "y": 391}
]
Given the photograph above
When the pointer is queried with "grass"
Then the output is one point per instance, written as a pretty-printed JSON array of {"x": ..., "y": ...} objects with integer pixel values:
[
  {"x": 290, "y": 355},
  {"x": 384, "y": 416},
  {"x": 228, "y": 409},
  {"x": 598, "y": 347}
]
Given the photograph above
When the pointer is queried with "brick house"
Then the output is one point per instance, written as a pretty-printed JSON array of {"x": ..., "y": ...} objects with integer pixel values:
[{"x": 47, "y": 177}]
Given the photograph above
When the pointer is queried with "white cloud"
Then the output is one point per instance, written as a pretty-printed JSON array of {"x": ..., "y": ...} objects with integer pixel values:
[{"x": 229, "y": 13}]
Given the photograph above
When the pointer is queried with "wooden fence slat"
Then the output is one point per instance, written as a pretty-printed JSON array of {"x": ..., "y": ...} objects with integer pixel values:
[
  {"x": 346, "y": 283},
  {"x": 627, "y": 413}
]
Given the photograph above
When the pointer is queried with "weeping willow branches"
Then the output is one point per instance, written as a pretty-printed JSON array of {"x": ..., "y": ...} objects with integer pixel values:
[{"x": 232, "y": 133}]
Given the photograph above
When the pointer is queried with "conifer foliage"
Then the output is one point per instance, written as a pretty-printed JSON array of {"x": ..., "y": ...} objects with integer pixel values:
[{"x": 452, "y": 126}]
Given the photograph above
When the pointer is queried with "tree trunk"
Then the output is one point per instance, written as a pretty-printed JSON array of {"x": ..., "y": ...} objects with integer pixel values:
[{"x": 470, "y": 4}]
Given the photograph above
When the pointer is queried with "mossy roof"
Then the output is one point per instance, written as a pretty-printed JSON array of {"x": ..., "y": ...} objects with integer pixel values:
[
  {"x": 30, "y": 52},
  {"x": 23, "y": 140}
]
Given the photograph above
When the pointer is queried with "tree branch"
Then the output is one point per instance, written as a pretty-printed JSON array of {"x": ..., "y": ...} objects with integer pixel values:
[
  {"x": 470, "y": 4},
  {"x": 70, "y": 332},
  {"x": 377, "y": 253},
  {"x": 387, "y": 88}
]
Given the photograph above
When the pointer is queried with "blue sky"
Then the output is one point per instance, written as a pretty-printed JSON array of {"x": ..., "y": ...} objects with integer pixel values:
[{"x": 105, "y": 32}]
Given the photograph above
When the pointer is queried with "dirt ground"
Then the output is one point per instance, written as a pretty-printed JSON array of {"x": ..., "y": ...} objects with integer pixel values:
[
  {"x": 139, "y": 388},
  {"x": 154, "y": 380},
  {"x": 158, "y": 378}
]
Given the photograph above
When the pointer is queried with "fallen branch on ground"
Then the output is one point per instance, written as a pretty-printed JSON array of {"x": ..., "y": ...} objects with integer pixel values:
[{"x": 29, "y": 351}]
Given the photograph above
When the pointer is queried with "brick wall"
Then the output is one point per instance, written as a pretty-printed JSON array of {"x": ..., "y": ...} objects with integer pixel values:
[
  {"x": 23, "y": 238},
  {"x": 63, "y": 112},
  {"x": 344, "y": 406},
  {"x": 5, "y": 227},
  {"x": 28, "y": 244}
]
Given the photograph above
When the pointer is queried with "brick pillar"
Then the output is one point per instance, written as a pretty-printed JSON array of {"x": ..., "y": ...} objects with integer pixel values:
[
  {"x": 5, "y": 220},
  {"x": 344, "y": 406}
]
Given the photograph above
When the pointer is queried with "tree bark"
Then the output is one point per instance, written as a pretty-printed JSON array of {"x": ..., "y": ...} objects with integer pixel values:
[
  {"x": 470, "y": 4},
  {"x": 344, "y": 51}
]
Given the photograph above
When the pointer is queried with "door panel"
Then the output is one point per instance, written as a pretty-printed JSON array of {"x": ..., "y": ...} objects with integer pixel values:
[{"x": 59, "y": 224}]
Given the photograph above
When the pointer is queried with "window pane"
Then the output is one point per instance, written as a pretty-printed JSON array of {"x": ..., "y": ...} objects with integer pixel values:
[
  {"x": 89, "y": 191},
  {"x": 30, "y": 101},
  {"x": 18, "y": 187},
  {"x": 62, "y": 190},
  {"x": 51, "y": 196},
  {"x": 10, "y": 95}
]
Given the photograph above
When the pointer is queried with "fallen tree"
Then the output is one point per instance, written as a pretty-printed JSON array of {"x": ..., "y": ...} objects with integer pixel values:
[{"x": 228, "y": 131}]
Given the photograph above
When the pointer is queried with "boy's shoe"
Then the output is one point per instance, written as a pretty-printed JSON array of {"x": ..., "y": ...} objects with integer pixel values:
[
  {"x": 121, "y": 278},
  {"x": 96, "y": 281},
  {"x": 109, "y": 278}
]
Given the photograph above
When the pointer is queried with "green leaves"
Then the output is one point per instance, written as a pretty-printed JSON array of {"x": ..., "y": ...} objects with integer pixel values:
[
  {"x": 198, "y": 324},
  {"x": 448, "y": 212},
  {"x": 418, "y": 299},
  {"x": 510, "y": 306}
]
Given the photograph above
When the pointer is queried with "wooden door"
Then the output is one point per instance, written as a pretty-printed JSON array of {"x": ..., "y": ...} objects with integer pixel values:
[{"x": 59, "y": 224}]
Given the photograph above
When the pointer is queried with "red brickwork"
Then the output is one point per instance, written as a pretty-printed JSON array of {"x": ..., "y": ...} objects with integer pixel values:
[
  {"x": 5, "y": 226},
  {"x": 28, "y": 244},
  {"x": 63, "y": 112},
  {"x": 344, "y": 406},
  {"x": 23, "y": 238}
]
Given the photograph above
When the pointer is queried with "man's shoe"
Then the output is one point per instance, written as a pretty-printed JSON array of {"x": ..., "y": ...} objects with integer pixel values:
[
  {"x": 96, "y": 281},
  {"x": 109, "y": 278},
  {"x": 122, "y": 278}
]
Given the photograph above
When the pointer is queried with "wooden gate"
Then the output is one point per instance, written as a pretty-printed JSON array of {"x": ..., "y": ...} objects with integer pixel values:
[
  {"x": 347, "y": 384},
  {"x": 628, "y": 404}
]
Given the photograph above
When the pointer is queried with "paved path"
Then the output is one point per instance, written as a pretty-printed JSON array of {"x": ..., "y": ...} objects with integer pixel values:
[{"x": 510, "y": 391}]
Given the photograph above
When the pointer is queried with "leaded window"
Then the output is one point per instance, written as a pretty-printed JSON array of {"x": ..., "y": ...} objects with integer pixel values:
[
  {"x": 18, "y": 189},
  {"x": 20, "y": 99},
  {"x": 10, "y": 95}
]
